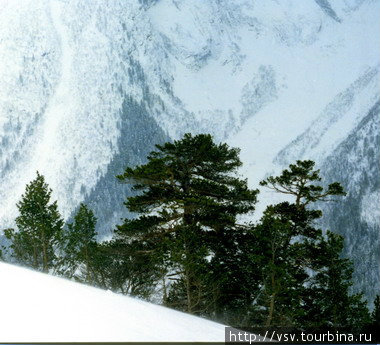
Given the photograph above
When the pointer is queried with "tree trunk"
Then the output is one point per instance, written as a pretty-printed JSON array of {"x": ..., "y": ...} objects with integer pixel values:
[
  {"x": 44, "y": 253},
  {"x": 271, "y": 310},
  {"x": 165, "y": 293},
  {"x": 273, "y": 288},
  {"x": 188, "y": 293}
]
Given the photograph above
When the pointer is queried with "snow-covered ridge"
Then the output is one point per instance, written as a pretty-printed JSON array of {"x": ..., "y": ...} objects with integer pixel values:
[
  {"x": 338, "y": 118},
  {"x": 37, "y": 307}
]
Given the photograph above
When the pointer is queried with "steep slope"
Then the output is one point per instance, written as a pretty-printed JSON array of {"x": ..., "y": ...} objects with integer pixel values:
[
  {"x": 88, "y": 87},
  {"x": 356, "y": 163},
  {"x": 40, "y": 308}
]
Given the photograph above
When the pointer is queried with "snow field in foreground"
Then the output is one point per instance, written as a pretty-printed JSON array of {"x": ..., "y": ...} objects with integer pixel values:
[{"x": 37, "y": 307}]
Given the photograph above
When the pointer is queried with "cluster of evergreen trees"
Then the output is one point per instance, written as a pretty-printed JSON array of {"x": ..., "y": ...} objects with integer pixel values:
[{"x": 187, "y": 247}]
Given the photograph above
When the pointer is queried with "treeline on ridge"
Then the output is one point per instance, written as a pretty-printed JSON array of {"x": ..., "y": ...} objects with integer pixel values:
[{"x": 186, "y": 248}]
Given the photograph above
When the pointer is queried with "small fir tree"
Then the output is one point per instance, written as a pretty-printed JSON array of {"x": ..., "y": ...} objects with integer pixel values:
[
  {"x": 374, "y": 326},
  {"x": 328, "y": 303},
  {"x": 80, "y": 246},
  {"x": 376, "y": 312},
  {"x": 39, "y": 227}
]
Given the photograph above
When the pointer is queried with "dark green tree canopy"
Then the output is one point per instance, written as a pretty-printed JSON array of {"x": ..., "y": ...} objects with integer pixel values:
[
  {"x": 79, "y": 246},
  {"x": 186, "y": 244},
  {"x": 189, "y": 191},
  {"x": 299, "y": 180},
  {"x": 329, "y": 301},
  {"x": 376, "y": 312},
  {"x": 39, "y": 227},
  {"x": 305, "y": 281},
  {"x": 194, "y": 172}
]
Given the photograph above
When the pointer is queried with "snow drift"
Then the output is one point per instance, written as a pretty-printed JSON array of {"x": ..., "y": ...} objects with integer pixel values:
[{"x": 36, "y": 307}]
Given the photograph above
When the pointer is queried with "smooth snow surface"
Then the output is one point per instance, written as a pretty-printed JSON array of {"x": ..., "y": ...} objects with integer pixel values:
[{"x": 36, "y": 307}]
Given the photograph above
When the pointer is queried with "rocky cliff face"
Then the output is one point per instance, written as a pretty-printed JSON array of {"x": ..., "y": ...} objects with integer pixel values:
[{"x": 88, "y": 87}]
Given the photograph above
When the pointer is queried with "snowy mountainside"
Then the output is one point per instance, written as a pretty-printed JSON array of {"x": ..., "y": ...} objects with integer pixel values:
[
  {"x": 356, "y": 164},
  {"x": 336, "y": 119},
  {"x": 85, "y": 314},
  {"x": 88, "y": 87}
]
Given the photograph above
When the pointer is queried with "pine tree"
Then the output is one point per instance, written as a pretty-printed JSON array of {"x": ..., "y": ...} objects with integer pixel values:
[
  {"x": 189, "y": 196},
  {"x": 374, "y": 326},
  {"x": 287, "y": 241},
  {"x": 233, "y": 277},
  {"x": 376, "y": 312},
  {"x": 80, "y": 246},
  {"x": 39, "y": 227},
  {"x": 328, "y": 301},
  {"x": 119, "y": 266},
  {"x": 298, "y": 181}
]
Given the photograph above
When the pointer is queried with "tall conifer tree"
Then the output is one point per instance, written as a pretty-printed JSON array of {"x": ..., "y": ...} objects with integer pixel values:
[
  {"x": 291, "y": 248},
  {"x": 80, "y": 246},
  {"x": 189, "y": 194},
  {"x": 328, "y": 302},
  {"x": 39, "y": 227},
  {"x": 376, "y": 312}
]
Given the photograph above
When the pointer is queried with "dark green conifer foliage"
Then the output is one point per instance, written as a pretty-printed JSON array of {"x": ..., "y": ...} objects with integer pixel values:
[
  {"x": 124, "y": 267},
  {"x": 328, "y": 302},
  {"x": 298, "y": 181},
  {"x": 376, "y": 312},
  {"x": 280, "y": 260},
  {"x": 289, "y": 243},
  {"x": 39, "y": 227},
  {"x": 374, "y": 327},
  {"x": 233, "y": 280},
  {"x": 80, "y": 246},
  {"x": 188, "y": 194}
]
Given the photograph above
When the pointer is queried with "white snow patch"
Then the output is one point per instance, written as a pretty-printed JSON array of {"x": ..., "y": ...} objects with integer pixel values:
[
  {"x": 369, "y": 210},
  {"x": 36, "y": 307}
]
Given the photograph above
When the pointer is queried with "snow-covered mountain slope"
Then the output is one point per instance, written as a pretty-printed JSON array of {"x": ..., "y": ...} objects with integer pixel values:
[
  {"x": 355, "y": 163},
  {"x": 40, "y": 308},
  {"x": 88, "y": 87}
]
